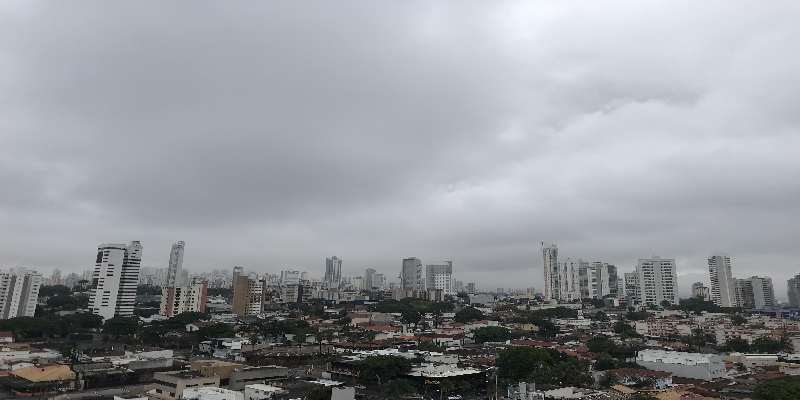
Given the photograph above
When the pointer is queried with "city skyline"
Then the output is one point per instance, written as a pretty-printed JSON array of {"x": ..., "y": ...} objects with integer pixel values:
[{"x": 285, "y": 133}]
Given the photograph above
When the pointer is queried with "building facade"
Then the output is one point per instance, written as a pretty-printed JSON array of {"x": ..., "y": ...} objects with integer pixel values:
[
  {"x": 248, "y": 296},
  {"x": 411, "y": 274},
  {"x": 793, "y": 290},
  {"x": 440, "y": 276},
  {"x": 181, "y": 299},
  {"x": 333, "y": 272},
  {"x": 755, "y": 293},
  {"x": 114, "y": 281},
  {"x": 19, "y": 291},
  {"x": 658, "y": 281},
  {"x": 175, "y": 264},
  {"x": 550, "y": 270},
  {"x": 701, "y": 291},
  {"x": 723, "y": 286},
  {"x": 687, "y": 365},
  {"x": 369, "y": 276}
]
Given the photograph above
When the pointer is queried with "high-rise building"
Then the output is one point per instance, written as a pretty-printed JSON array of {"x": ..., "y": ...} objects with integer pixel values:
[
  {"x": 333, "y": 272},
  {"x": 722, "y": 283},
  {"x": 379, "y": 282},
  {"x": 19, "y": 291},
  {"x": 181, "y": 299},
  {"x": 440, "y": 276},
  {"x": 701, "y": 291},
  {"x": 237, "y": 272},
  {"x": 114, "y": 281},
  {"x": 248, "y": 296},
  {"x": 658, "y": 281},
  {"x": 755, "y": 293},
  {"x": 793, "y": 291},
  {"x": 411, "y": 274},
  {"x": 369, "y": 274},
  {"x": 470, "y": 287},
  {"x": 290, "y": 277},
  {"x": 569, "y": 280},
  {"x": 632, "y": 293},
  {"x": 175, "y": 263},
  {"x": 550, "y": 270}
]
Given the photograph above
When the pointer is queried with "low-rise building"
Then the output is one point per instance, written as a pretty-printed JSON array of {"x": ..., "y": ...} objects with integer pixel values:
[
  {"x": 211, "y": 393},
  {"x": 170, "y": 385},
  {"x": 263, "y": 392},
  {"x": 686, "y": 365}
]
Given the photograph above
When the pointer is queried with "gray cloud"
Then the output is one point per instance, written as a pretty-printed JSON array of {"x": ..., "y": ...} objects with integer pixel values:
[{"x": 273, "y": 135}]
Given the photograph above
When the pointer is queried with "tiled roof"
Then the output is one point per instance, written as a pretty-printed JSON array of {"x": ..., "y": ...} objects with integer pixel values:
[{"x": 45, "y": 374}]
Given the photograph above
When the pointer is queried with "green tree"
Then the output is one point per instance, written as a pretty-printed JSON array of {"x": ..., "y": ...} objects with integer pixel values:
[
  {"x": 384, "y": 367},
  {"x": 766, "y": 345},
  {"x": 519, "y": 362},
  {"x": 491, "y": 334},
  {"x": 344, "y": 321},
  {"x": 603, "y": 362},
  {"x": 54, "y": 290},
  {"x": 120, "y": 326},
  {"x": 398, "y": 387},
  {"x": 608, "y": 379},
  {"x": 318, "y": 393},
  {"x": 66, "y": 351},
  {"x": 469, "y": 314},
  {"x": 215, "y": 331},
  {"x": 778, "y": 389},
  {"x": 637, "y": 315},
  {"x": 446, "y": 386},
  {"x": 737, "y": 345},
  {"x": 738, "y": 320},
  {"x": 601, "y": 344},
  {"x": 411, "y": 317}
]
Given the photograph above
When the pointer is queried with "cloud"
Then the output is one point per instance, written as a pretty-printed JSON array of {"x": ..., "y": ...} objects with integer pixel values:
[{"x": 274, "y": 135}]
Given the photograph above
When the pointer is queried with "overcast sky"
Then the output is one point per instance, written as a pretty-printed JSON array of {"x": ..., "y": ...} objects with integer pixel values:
[{"x": 271, "y": 135}]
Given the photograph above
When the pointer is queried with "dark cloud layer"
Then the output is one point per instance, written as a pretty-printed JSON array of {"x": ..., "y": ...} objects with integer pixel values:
[{"x": 274, "y": 134}]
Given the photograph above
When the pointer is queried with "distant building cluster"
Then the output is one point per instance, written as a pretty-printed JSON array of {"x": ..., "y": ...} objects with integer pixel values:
[{"x": 726, "y": 291}]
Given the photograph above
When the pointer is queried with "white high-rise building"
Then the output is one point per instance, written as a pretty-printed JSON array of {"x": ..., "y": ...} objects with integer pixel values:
[
  {"x": 440, "y": 276},
  {"x": 116, "y": 273},
  {"x": 333, "y": 272},
  {"x": 411, "y": 274},
  {"x": 181, "y": 299},
  {"x": 19, "y": 291},
  {"x": 658, "y": 281},
  {"x": 174, "y": 277},
  {"x": 369, "y": 276},
  {"x": 569, "y": 283},
  {"x": 550, "y": 270},
  {"x": 379, "y": 281},
  {"x": 755, "y": 293},
  {"x": 290, "y": 277},
  {"x": 723, "y": 285}
]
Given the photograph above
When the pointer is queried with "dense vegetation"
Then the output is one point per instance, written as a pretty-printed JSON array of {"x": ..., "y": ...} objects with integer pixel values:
[
  {"x": 533, "y": 364},
  {"x": 778, "y": 389}
]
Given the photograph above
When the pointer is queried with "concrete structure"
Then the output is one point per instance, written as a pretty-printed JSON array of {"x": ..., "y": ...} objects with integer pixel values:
[
  {"x": 569, "y": 280},
  {"x": 632, "y": 287},
  {"x": 181, "y": 299},
  {"x": 343, "y": 393},
  {"x": 333, "y": 272},
  {"x": 411, "y": 274},
  {"x": 722, "y": 283},
  {"x": 550, "y": 270},
  {"x": 701, "y": 291},
  {"x": 793, "y": 290},
  {"x": 658, "y": 281},
  {"x": 369, "y": 274},
  {"x": 755, "y": 293},
  {"x": 211, "y": 393},
  {"x": 114, "y": 281},
  {"x": 237, "y": 376},
  {"x": 378, "y": 282},
  {"x": 19, "y": 292},
  {"x": 290, "y": 277},
  {"x": 687, "y": 365},
  {"x": 248, "y": 296},
  {"x": 170, "y": 385},
  {"x": 440, "y": 276},
  {"x": 175, "y": 264},
  {"x": 299, "y": 293},
  {"x": 237, "y": 272},
  {"x": 471, "y": 287},
  {"x": 263, "y": 392}
]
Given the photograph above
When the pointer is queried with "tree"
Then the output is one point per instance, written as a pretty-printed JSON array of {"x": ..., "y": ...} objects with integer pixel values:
[
  {"x": 766, "y": 345},
  {"x": 738, "y": 320},
  {"x": 446, "y": 386},
  {"x": 215, "y": 331},
  {"x": 398, "y": 387},
  {"x": 608, "y": 379},
  {"x": 738, "y": 345},
  {"x": 637, "y": 315},
  {"x": 344, "y": 321},
  {"x": 519, "y": 362},
  {"x": 384, "y": 367},
  {"x": 318, "y": 393},
  {"x": 778, "y": 389},
  {"x": 55, "y": 290},
  {"x": 603, "y": 362},
  {"x": 491, "y": 334},
  {"x": 120, "y": 326},
  {"x": 469, "y": 314},
  {"x": 411, "y": 317},
  {"x": 66, "y": 351},
  {"x": 601, "y": 344}
]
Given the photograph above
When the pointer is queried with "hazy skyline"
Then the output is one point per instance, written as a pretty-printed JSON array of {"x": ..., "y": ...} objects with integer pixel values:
[{"x": 271, "y": 135}]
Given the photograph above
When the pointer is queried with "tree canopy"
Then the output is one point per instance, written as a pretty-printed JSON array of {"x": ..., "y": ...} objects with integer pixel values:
[
  {"x": 54, "y": 290},
  {"x": 386, "y": 367},
  {"x": 469, "y": 314},
  {"x": 543, "y": 365},
  {"x": 778, "y": 389},
  {"x": 492, "y": 334}
]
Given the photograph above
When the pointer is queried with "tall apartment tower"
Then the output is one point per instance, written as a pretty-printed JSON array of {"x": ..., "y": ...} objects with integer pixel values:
[
  {"x": 632, "y": 292},
  {"x": 440, "y": 276},
  {"x": 755, "y": 293},
  {"x": 411, "y": 274},
  {"x": 248, "y": 296},
  {"x": 700, "y": 291},
  {"x": 658, "y": 281},
  {"x": 333, "y": 272},
  {"x": 19, "y": 291},
  {"x": 181, "y": 299},
  {"x": 723, "y": 291},
  {"x": 569, "y": 280},
  {"x": 114, "y": 281},
  {"x": 793, "y": 290},
  {"x": 175, "y": 264},
  {"x": 237, "y": 272},
  {"x": 369, "y": 276},
  {"x": 550, "y": 270}
]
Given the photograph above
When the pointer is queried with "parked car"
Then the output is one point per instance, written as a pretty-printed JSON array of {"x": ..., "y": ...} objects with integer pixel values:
[
  {"x": 360, "y": 386},
  {"x": 454, "y": 397}
]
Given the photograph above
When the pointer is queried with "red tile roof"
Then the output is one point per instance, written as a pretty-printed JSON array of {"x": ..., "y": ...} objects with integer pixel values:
[
  {"x": 6, "y": 334},
  {"x": 202, "y": 323}
]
